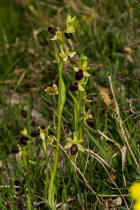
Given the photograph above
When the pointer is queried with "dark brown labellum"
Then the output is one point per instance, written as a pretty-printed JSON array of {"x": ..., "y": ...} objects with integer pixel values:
[
  {"x": 73, "y": 87},
  {"x": 42, "y": 127},
  {"x": 72, "y": 60},
  {"x": 17, "y": 182},
  {"x": 15, "y": 150},
  {"x": 35, "y": 133},
  {"x": 52, "y": 30},
  {"x": 23, "y": 140},
  {"x": 90, "y": 122},
  {"x": 54, "y": 142},
  {"x": 74, "y": 149},
  {"x": 68, "y": 35},
  {"x": 79, "y": 75}
]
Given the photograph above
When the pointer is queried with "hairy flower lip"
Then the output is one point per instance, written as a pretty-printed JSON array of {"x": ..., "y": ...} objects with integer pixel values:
[
  {"x": 73, "y": 87},
  {"x": 35, "y": 133},
  {"x": 23, "y": 140},
  {"x": 90, "y": 122},
  {"x": 52, "y": 30},
  {"x": 68, "y": 35},
  {"x": 74, "y": 149},
  {"x": 79, "y": 75},
  {"x": 15, "y": 150}
]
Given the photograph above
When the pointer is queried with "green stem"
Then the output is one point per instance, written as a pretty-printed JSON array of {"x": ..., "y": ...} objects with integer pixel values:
[
  {"x": 77, "y": 114},
  {"x": 47, "y": 169},
  {"x": 51, "y": 187}
]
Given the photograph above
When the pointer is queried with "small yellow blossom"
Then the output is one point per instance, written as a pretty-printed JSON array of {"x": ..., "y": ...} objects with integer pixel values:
[
  {"x": 87, "y": 114},
  {"x": 84, "y": 71},
  {"x": 52, "y": 90},
  {"x": 135, "y": 192},
  {"x": 52, "y": 141},
  {"x": 58, "y": 35},
  {"x": 66, "y": 55},
  {"x": 137, "y": 205},
  {"x": 74, "y": 141},
  {"x": 86, "y": 17}
]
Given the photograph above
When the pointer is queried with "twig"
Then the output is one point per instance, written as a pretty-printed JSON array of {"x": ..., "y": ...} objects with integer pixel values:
[{"x": 125, "y": 195}]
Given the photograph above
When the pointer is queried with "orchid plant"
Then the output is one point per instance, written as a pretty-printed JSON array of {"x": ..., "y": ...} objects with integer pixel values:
[{"x": 77, "y": 92}]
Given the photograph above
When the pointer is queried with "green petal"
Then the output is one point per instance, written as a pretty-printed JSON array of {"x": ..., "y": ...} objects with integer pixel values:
[
  {"x": 68, "y": 145},
  {"x": 72, "y": 54},
  {"x": 75, "y": 69},
  {"x": 81, "y": 87},
  {"x": 86, "y": 74},
  {"x": 80, "y": 147},
  {"x": 24, "y": 132},
  {"x": 54, "y": 38}
]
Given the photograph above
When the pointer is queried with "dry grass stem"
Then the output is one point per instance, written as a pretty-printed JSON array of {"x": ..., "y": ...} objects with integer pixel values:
[
  {"x": 98, "y": 157},
  {"x": 123, "y": 134},
  {"x": 109, "y": 139},
  {"x": 83, "y": 177}
]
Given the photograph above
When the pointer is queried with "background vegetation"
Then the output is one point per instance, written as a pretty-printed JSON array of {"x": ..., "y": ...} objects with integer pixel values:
[{"x": 108, "y": 33}]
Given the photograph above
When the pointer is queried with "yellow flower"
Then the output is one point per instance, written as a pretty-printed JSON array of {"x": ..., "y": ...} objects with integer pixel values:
[
  {"x": 74, "y": 141},
  {"x": 135, "y": 192},
  {"x": 52, "y": 90},
  {"x": 58, "y": 35},
  {"x": 137, "y": 205},
  {"x": 52, "y": 141},
  {"x": 66, "y": 55},
  {"x": 76, "y": 69}
]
